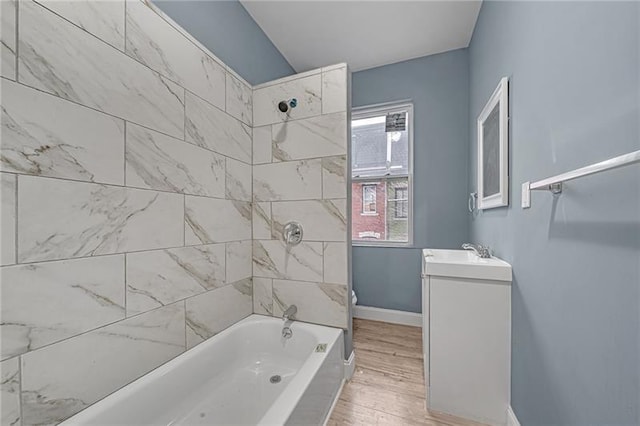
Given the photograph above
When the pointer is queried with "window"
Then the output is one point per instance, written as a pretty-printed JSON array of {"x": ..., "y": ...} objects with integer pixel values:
[
  {"x": 401, "y": 203},
  {"x": 381, "y": 146},
  {"x": 369, "y": 199}
]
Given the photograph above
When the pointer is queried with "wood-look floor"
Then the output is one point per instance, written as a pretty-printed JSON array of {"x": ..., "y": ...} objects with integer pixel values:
[{"x": 387, "y": 387}]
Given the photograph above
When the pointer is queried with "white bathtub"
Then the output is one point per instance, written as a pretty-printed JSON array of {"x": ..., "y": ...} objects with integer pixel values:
[{"x": 226, "y": 381}]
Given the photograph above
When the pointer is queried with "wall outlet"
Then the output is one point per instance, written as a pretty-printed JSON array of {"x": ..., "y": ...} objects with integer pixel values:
[{"x": 526, "y": 196}]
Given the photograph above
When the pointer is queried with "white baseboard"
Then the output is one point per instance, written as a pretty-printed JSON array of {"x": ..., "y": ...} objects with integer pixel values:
[
  {"x": 388, "y": 315},
  {"x": 350, "y": 366},
  {"x": 512, "y": 420}
]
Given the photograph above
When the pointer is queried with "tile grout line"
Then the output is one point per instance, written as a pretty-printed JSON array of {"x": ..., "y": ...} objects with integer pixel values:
[
  {"x": 323, "y": 257},
  {"x": 17, "y": 18},
  {"x": 321, "y": 93},
  {"x": 225, "y": 92},
  {"x": 253, "y": 208},
  {"x": 184, "y": 220},
  {"x": 126, "y": 308},
  {"x": 184, "y": 116},
  {"x": 135, "y": 188},
  {"x": 20, "y": 409},
  {"x": 124, "y": 7},
  {"x": 15, "y": 232},
  {"x": 124, "y": 162},
  {"x": 43, "y": 261}
]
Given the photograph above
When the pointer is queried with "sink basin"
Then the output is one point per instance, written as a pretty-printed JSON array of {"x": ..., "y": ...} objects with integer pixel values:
[{"x": 464, "y": 264}]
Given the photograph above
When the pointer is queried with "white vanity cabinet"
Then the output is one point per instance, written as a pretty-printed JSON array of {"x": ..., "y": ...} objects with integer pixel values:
[{"x": 467, "y": 334}]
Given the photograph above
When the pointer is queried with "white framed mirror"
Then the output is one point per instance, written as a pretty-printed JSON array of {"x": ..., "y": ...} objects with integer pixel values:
[{"x": 493, "y": 149}]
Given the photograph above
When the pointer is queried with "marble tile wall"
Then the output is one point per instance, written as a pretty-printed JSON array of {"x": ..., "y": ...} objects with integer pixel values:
[
  {"x": 299, "y": 174},
  {"x": 144, "y": 188},
  {"x": 126, "y": 196}
]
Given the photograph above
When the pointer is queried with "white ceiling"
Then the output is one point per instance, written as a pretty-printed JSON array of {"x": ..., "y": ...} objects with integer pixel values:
[{"x": 365, "y": 34}]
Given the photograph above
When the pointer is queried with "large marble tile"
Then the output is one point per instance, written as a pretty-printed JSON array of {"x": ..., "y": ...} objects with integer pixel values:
[
  {"x": 64, "y": 378},
  {"x": 262, "y": 296},
  {"x": 160, "y": 277},
  {"x": 47, "y": 136},
  {"x": 153, "y": 6},
  {"x": 154, "y": 42},
  {"x": 319, "y": 303},
  {"x": 306, "y": 90},
  {"x": 321, "y": 220},
  {"x": 7, "y": 218},
  {"x": 239, "y": 100},
  {"x": 335, "y": 263},
  {"x": 239, "y": 260},
  {"x": 158, "y": 161},
  {"x": 291, "y": 180},
  {"x": 103, "y": 19},
  {"x": 8, "y": 38},
  {"x": 64, "y": 219},
  {"x": 261, "y": 221},
  {"x": 334, "y": 177},
  {"x": 262, "y": 145},
  {"x": 214, "y": 129},
  {"x": 238, "y": 175},
  {"x": 210, "y": 313},
  {"x": 273, "y": 259},
  {"x": 59, "y": 58},
  {"x": 321, "y": 136},
  {"x": 334, "y": 90},
  {"x": 209, "y": 220},
  {"x": 10, "y": 392},
  {"x": 43, "y": 303}
]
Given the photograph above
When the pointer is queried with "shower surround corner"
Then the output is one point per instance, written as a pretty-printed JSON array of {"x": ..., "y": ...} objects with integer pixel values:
[{"x": 300, "y": 174}]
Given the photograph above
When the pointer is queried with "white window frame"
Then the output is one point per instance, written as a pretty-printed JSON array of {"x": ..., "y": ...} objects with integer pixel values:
[{"x": 383, "y": 109}]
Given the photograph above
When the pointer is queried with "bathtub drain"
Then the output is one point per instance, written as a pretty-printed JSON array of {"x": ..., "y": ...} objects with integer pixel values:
[{"x": 275, "y": 379}]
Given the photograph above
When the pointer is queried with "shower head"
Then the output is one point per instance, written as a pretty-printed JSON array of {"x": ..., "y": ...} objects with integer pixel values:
[{"x": 284, "y": 106}]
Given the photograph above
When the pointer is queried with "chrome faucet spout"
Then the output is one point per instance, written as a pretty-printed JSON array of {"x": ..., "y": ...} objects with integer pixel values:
[
  {"x": 480, "y": 250},
  {"x": 290, "y": 312}
]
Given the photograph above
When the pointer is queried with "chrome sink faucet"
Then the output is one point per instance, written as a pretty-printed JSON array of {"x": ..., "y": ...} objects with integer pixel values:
[{"x": 480, "y": 250}]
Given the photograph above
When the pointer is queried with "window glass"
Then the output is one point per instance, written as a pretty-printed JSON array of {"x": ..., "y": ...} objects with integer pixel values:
[
  {"x": 380, "y": 176},
  {"x": 376, "y": 152}
]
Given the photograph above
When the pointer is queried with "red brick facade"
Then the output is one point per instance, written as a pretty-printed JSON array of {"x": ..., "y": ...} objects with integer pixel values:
[{"x": 365, "y": 226}]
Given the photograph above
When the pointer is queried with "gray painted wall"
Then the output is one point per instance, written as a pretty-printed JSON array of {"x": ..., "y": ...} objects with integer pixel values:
[
  {"x": 227, "y": 29},
  {"x": 574, "y": 69},
  {"x": 439, "y": 87}
]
